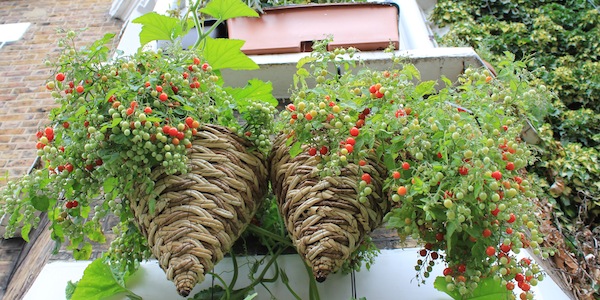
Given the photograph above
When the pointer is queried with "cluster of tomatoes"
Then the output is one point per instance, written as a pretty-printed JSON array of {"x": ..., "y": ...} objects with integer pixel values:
[{"x": 147, "y": 127}]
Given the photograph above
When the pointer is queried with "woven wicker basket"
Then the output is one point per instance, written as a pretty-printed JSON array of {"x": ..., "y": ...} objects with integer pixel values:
[
  {"x": 323, "y": 215},
  {"x": 200, "y": 214}
]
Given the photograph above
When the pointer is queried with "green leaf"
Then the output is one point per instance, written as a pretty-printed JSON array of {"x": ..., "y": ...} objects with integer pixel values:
[
  {"x": 70, "y": 289},
  {"x": 389, "y": 161},
  {"x": 395, "y": 222},
  {"x": 84, "y": 252},
  {"x": 304, "y": 61},
  {"x": 94, "y": 232},
  {"x": 158, "y": 27},
  {"x": 25, "y": 231},
  {"x": 226, "y": 53},
  {"x": 441, "y": 285},
  {"x": 450, "y": 228},
  {"x": 411, "y": 71},
  {"x": 446, "y": 81},
  {"x": 295, "y": 149},
  {"x": 153, "y": 119},
  {"x": 302, "y": 73},
  {"x": 425, "y": 88},
  {"x": 40, "y": 202},
  {"x": 256, "y": 90},
  {"x": 115, "y": 122},
  {"x": 214, "y": 292},
  {"x": 109, "y": 184},
  {"x": 289, "y": 141},
  {"x": 488, "y": 289},
  {"x": 84, "y": 212},
  {"x": 228, "y": 9},
  {"x": 82, "y": 109},
  {"x": 98, "y": 282}
]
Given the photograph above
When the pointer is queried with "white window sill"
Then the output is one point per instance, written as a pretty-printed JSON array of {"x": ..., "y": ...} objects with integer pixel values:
[{"x": 392, "y": 275}]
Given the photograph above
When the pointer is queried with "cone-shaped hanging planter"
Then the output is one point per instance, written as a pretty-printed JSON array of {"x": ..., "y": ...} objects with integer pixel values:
[
  {"x": 200, "y": 214},
  {"x": 323, "y": 216}
]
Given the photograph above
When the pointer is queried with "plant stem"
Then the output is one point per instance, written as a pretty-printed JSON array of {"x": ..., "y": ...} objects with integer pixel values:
[
  {"x": 287, "y": 285},
  {"x": 199, "y": 26},
  {"x": 313, "y": 291},
  {"x": 225, "y": 287},
  {"x": 260, "y": 231},
  {"x": 261, "y": 278},
  {"x": 235, "y": 269},
  {"x": 196, "y": 19}
]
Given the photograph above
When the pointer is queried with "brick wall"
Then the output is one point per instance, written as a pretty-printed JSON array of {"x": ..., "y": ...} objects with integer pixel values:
[{"x": 24, "y": 102}]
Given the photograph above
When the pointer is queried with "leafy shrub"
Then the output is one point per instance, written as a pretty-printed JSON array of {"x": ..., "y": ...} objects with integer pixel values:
[{"x": 561, "y": 36}]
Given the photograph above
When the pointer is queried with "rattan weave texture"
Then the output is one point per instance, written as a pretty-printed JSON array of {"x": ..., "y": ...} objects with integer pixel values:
[
  {"x": 200, "y": 214},
  {"x": 323, "y": 215}
]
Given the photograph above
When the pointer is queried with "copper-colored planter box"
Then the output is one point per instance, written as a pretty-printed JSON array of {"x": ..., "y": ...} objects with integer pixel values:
[{"x": 290, "y": 29}]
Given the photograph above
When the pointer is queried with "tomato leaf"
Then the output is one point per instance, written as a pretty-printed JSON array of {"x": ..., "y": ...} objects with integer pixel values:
[
  {"x": 295, "y": 149},
  {"x": 70, "y": 289},
  {"x": 158, "y": 27},
  {"x": 256, "y": 90},
  {"x": 446, "y": 81},
  {"x": 411, "y": 71},
  {"x": 228, "y": 9},
  {"x": 109, "y": 184},
  {"x": 94, "y": 232},
  {"x": 488, "y": 289},
  {"x": 226, "y": 53},
  {"x": 389, "y": 161},
  {"x": 441, "y": 285},
  {"x": 115, "y": 122},
  {"x": 213, "y": 292},
  {"x": 40, "y": 202},
  {"x": 303, "y": 61},
  {"x": 425, "y": 88},
  {"x": 25, "y": 231},
  {"x": 99, "y": 282},
  {"x": 450, "y": 228},
  {"x": 84, "y": 252}
]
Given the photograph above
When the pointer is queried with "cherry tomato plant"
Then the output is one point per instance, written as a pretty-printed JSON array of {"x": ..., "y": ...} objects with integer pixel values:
[
  {"x": 462, "y": 188},
  {"x": 454, "y": 156},
  {"x": 117, "y": 118}
]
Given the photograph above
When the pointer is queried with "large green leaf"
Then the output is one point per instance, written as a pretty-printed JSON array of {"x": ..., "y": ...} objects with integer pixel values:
[
  {"x": 256, "y": 89},
  {"x": 98, "y": 282},
  {"x": 488, "y": 289},
  {"x": 228, "y": 9},
  {"x": 226, "y": 53},
  {"x": 158, "y": 27}
]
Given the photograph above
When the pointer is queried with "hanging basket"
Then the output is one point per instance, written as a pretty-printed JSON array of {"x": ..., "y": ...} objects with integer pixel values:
[
  {"x": 198, "y": 215},
  {"x": 323, "y": 216}
]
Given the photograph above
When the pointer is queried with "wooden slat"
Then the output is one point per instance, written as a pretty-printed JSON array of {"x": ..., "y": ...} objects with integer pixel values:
[
  {"x": 32, "y": 259},
  {"x": 9, "y": 253}
]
